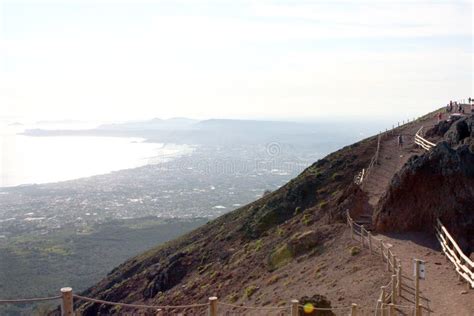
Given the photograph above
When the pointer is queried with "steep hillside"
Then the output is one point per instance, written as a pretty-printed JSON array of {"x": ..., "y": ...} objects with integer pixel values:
[
  {"x": 292, "y": 243},
  {"x": 437, "y": 184},
  {"x": 240, "y": 256}
]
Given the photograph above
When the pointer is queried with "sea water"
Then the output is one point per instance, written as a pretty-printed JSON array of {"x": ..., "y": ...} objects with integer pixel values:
[{"x": 33, "y": 160}]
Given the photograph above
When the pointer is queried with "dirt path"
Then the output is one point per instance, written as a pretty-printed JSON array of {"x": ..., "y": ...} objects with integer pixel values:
[
  {"x": 442, "y": 293},
  {"x": 392, "y": 157}
]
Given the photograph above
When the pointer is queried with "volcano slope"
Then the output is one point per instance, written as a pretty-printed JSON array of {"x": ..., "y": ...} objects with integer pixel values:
[
  {"x": 288, "y": 244},
  {"x": 291, "y": 243}
]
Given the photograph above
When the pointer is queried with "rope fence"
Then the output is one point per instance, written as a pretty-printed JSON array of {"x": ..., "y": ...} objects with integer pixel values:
[
  {"x": 30, "y": 300},
  {"x": 214, "y": 308}
]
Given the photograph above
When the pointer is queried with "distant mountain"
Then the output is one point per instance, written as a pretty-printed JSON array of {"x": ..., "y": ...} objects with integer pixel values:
[
  {"x": 225, "y": 131},
  {"x": 59, "y": 122},
  {"x": 15, "y": 124},
  {"x": 177, "y": 123}
]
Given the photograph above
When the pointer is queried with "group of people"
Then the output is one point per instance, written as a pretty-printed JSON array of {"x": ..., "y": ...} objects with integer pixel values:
[
  {"x": 453, "y": 106},
  {"x": 457, "y": 107}
]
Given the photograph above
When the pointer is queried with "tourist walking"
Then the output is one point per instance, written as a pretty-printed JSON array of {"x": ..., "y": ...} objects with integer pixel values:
[
  {"x": 440, "y": 116},
  {"x": 400, "y": 141}
]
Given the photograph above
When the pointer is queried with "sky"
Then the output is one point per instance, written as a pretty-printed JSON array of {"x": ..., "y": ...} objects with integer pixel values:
[{"x": 291, "y": 60}]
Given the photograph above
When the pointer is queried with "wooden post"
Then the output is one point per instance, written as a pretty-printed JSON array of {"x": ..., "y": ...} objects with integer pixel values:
[
  {"x": 417, "y": 285},
  {"x": 354, "y": 310},
  {"x": 213, "y": 306},
  {"x": 399, "y": 276},
  {"x": 369, "y": 237},
  {"x": 294, "y": 308},
  {"x": 419, "y": 310},
  {"x": 391, "y": 309},
  {"x": 384, "y": 309},
  {"x": 394, "y": 289},
  {"x": 394, "y": 262},
  {"x": 381, "y": 250},
  {"x": 352, "y": 231},
  {"x": 383, "y": 293},
  {"x": 67, "y": 306},
  {"x": 362, "y": 236},
  {"x": 388, "y": 259},
  {"x": 377, "y": 311}
]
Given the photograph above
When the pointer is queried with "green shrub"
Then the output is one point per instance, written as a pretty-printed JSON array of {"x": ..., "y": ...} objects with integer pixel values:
[
  {"x": 297, "y": 210},
  {"x": 306, "y": 219},
  {"x": 233, "y": 297},
  {"x": 280, "y": 257},
  {"x": 323, "y": 204},
  {"x": 354, "y": 251},
  {"x": 273, "y": 279},
  {"x": 258, "y": 245},
  {"x": 250, "y": 290}
]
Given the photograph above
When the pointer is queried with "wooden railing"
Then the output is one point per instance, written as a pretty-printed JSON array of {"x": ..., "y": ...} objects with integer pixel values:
[
  {"x": 359, "y": 178},
  {"x": 364, "y": 173},
  {"x": 462, "y": 263},
  {"x": 390, "y": 293},
  {"x": 423, "y": 143}
]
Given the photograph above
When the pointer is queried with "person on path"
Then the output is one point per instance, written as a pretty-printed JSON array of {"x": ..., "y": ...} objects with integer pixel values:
[
  {"x": 440, "y": 116},
  {"x": 400, "y": 141}
]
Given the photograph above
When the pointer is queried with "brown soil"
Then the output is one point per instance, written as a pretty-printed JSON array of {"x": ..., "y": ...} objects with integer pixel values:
[{"x": 441, "y": 291}]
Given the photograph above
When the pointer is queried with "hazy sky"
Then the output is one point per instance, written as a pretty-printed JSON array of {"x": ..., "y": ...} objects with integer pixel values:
[{"x": 246, "y": 59}]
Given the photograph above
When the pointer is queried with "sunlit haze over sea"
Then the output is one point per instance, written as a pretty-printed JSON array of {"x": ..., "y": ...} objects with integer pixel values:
[{"x": 34, "y": 160}]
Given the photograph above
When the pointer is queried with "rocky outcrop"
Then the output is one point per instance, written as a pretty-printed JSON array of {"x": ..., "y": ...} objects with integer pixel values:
[
  {"x": 164, "y": 277},
  {"x": 354, "y": 199},
  {"x": 310, "y": 305},
  {"x": 460, "y": 130},
  {"x": 297, "y": 245},
  {"x": 438, "y": 184},
  {"x": 456, "y": 131}
]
